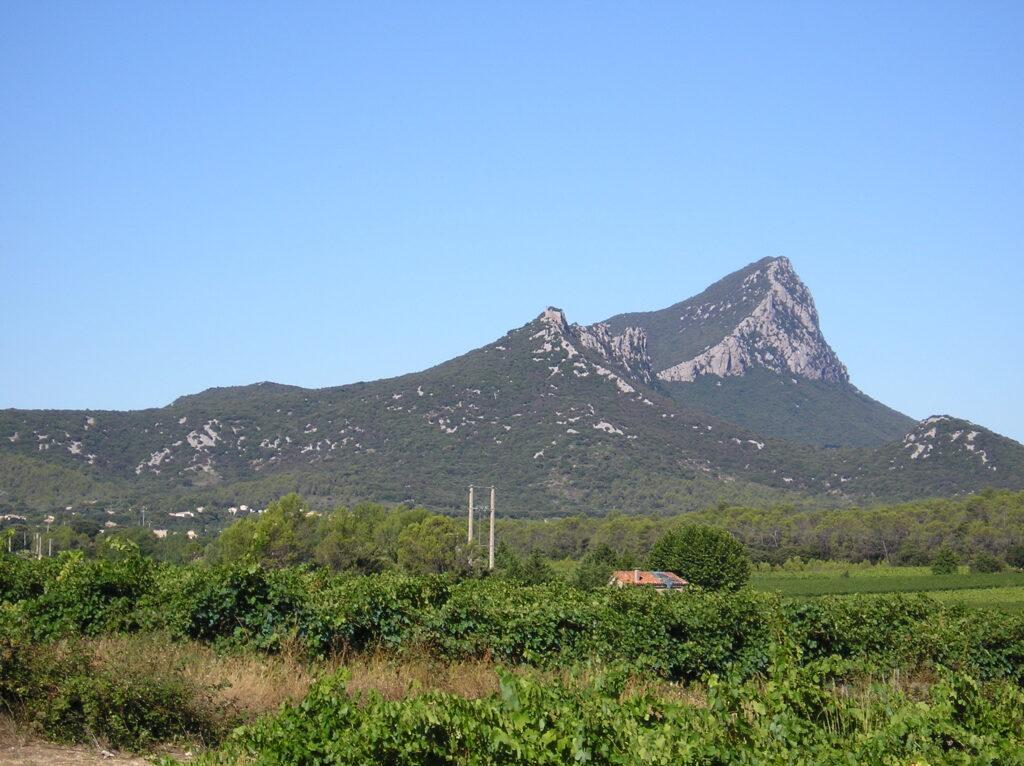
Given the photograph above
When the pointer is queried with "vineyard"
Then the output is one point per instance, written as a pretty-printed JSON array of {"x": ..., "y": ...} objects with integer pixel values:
[
  {"x": 1000, "y": 591},
  {"x": 601, "y": 676}
]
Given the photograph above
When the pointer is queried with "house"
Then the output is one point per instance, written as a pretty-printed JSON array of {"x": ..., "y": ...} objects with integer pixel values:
[{"x": 659, "y": 581}]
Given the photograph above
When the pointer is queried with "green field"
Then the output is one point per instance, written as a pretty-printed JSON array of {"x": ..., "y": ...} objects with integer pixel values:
[{"x": 1000, "y": 590}]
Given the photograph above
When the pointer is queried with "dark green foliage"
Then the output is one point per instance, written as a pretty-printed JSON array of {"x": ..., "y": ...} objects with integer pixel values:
[
  {"x": 533, "y": 570},
  {"x": 126, "y": 712},
  {"x": 89, "y": 597},
  {"x": 382, "y": 611},
  {"x": 768, "y": 666},
  {"x": 795, "y": 409},
  {"x": 986, "y": 563},
  {"x": 680, "y": 635},
  {"x": 435, "y": 545},
  {"x": 1015, "y": 556},
  {"x": 945, "y": 562},
  {"x": 704, "y": 556},
  {"x": 595, "y": 569},
  {"x": 62, "y": 693}
]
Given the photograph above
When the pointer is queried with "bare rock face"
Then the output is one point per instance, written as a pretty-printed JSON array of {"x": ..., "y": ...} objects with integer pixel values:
[
  {"x": 628, "y": 350},
  {"x": 781, "y": 334}
]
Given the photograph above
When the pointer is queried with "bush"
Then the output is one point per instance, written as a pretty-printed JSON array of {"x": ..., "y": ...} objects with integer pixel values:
[
  {"x": 945, "y": 562},
  {"x": 88, "y": 597},
  {"x": 239, "y": 604},
  {"x": 681, "y": 635},
  {"x": 129, "y": 712},
  {"x": 595, "y": 568},
  {"x": 62, "y": 690},
  {"x": 1015, "y": 557},
  {"x": 986, "y": 563},
  {"x": 705, "y": 556}
]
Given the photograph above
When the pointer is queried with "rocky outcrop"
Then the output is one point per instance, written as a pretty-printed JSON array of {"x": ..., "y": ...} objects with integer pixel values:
[
  {"x": 780, "y": 334},
  {"x": 627, "y": 350},
  {"x": 945, "y": 436}
]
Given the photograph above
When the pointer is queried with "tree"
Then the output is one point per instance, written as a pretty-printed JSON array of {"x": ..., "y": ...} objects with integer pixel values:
[
  {"x": 436, "y": 544},
  {"x": 986, "y": 563},
  {"x": 705, "y": 556},
  {"x": 234, "y": 543},
  {"x": 596, "y": 567},
  {"x": 945, "y": 562},
  {"x": 284, "y": 533},
  {"x": 533, "y": 570}
]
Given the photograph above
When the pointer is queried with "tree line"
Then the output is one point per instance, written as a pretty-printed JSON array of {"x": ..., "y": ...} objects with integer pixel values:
[{"x": 986, "y": 529}]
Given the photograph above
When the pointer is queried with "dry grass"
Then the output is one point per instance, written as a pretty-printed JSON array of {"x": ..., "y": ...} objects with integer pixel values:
[
  {"x": 247, "y": 683},
  {"x": 250, "y": 684},
  {"x": 396, "y": 678},
  {"x": 683, "y": 694}
]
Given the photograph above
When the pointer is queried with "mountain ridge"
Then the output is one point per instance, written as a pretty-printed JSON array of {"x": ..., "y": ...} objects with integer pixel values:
[
  {"x": 762, "y": 319},
  {"x": 565, "y": 417}
]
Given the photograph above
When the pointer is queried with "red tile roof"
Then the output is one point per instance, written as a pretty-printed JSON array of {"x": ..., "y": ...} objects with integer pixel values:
[{"x": 645, "y": 577}]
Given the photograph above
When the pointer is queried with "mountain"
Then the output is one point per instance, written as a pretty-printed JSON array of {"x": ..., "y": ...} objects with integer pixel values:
[
  {"x": 563, "y": 418},
  {"x": 749, "y": 349}
]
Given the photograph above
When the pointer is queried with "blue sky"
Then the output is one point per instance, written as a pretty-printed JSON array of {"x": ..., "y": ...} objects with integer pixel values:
[{"x": 211, "y": 194}]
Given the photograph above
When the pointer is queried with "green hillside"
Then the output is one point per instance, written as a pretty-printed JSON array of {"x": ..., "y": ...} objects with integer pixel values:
[{"x": 796, "y": 409}]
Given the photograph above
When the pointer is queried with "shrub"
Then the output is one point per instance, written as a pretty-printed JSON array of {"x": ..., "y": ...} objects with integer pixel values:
[
  {"x": 88, "y": 597},
  {"x": 240, "y": 604},
  {"x": 1015, "y": 557},
  {"x": 706, "y": 556},
  {"x": 127, "y": 711},
  {"x": 986, "y": 563},
  {"x": 596, "y": 567},
  {"x": 945, "y": 562},
  {"x": 64, "y": 692}
]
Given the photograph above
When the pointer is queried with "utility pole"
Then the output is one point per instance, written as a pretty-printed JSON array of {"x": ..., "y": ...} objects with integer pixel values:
[
  {"x": 469, "y": 536},
  {"x": 490, "y": 543}
]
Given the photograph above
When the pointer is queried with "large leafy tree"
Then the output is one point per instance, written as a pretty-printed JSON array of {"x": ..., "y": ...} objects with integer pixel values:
[
  {"x": 706, "y": 556},
  {"x": 436, "y": 544}
]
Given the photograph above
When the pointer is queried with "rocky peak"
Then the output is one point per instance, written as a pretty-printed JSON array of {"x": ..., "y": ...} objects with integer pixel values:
[
  {"x": 779, "y": 331},
  {"x": 627, "y": 350},
  {"x": 553, "y": 317}
]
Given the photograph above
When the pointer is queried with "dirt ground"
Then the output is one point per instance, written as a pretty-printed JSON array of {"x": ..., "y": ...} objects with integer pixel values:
[
  {"x": 19, "y": 749},
  {"x": 44, "y": 754}
]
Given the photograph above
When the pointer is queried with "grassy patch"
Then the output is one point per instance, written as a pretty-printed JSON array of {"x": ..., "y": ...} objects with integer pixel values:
[
  {"x": 1003, "y": 599},
  {"x": 1000, "y": 590}
]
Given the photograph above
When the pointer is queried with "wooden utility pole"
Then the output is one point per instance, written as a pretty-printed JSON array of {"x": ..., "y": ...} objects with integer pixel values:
[
  {"x": 469, "y": 536},
  {"x": 490, "y": 542}
]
